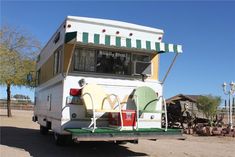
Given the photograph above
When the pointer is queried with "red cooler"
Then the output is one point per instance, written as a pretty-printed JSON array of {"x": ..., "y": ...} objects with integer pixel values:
[{"x": 128, "y": 116}]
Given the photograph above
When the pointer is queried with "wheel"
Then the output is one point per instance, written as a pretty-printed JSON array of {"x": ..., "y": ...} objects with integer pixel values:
[
  {"x": 62, "y": 140},
  {"x": 125, "y": 142},
  {"x": 43, "y": 130},
  {"x": 120, "y": 142},
  {"x": 134, "y": 141}
]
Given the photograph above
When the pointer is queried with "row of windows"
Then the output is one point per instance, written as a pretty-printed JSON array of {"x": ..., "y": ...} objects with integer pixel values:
[
  {"x": 97, "y": 61},
  {"x": 56, "y": 67},
  {"x": 100, "y": 61}
]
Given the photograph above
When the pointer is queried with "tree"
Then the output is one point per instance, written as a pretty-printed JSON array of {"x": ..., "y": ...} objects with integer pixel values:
[
  {"x": 21, "y": 96},
  {"x": 18, "y": 51},
  {"x": 209, "y": 105}
]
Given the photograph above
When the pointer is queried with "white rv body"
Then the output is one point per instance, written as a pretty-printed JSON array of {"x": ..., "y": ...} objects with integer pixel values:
[{"x": 51, "y": 105}]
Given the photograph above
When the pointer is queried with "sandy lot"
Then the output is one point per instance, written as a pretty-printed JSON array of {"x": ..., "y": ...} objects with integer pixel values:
[{"x": 20, "y": 138}]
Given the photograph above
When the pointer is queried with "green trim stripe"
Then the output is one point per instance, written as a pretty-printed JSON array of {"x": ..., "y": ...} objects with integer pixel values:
[
  {"x": 107, "y": 40},
  {"x": 85, "y": 37},
  {"x": 148, "y": 45},
  {"x": 96, "y": 39},
  {"x": 175, "y": 48},
  {"x": 157, "y": 46},
  {"x": 138, "y": 44},
  {"x": 128, "y": 42},
  {"x": 167, "y": 47},
  {"x": 118, "y": 41}
]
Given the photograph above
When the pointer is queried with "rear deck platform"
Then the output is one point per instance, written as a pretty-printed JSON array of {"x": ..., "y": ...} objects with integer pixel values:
[{"x": 109, "y": 134}]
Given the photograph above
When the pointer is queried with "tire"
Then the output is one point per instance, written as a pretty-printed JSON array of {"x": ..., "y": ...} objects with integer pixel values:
[
  {"x": 62, "y": 140},
  {"x": 125, "y": 142},
  {"x": 134, "y": 141},
  {"x": 120, "y": 142},
  {"x": 43, "y": 130}
]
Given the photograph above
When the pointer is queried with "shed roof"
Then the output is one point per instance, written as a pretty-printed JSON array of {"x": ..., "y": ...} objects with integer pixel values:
[{"x": 192, "y": 98}]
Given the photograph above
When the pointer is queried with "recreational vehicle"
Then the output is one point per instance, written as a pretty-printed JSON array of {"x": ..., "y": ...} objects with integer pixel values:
[{"x": 97, "y": 80}]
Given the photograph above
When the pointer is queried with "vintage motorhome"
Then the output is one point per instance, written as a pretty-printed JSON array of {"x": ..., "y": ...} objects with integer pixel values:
[{"x": 97, "y": 79}]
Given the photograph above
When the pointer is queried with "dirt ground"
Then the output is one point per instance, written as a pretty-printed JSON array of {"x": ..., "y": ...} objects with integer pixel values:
[{"x": 20, "y": 138}]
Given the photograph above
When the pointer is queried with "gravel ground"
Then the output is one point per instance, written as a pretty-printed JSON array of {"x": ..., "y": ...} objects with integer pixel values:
[{"x": 20, "y": 138}]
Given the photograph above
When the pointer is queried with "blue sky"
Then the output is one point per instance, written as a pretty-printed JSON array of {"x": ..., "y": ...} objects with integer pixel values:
[{"x": 205, "y": 29}]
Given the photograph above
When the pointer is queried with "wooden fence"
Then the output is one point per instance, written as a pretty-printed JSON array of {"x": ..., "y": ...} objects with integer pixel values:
[{"x": 17, "y": 106}]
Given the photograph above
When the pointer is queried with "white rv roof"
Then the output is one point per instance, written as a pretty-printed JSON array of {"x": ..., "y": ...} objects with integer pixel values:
[{"x": 115, "y": 23}]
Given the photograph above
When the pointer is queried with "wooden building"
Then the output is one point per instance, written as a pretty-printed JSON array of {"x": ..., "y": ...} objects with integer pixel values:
[{"x": 183, "y": 109}]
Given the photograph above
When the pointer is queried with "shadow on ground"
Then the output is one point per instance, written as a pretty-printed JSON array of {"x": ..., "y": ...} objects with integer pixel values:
[{"x": 43, "y": 145}]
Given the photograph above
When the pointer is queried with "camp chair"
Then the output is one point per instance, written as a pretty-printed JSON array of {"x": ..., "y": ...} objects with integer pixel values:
[
  {"x": 94, "y": 98},
  {"x": 146, "y": 99}
]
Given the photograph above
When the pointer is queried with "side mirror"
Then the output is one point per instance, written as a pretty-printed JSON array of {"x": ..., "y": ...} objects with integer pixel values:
[{"x": 29, "y": 77}]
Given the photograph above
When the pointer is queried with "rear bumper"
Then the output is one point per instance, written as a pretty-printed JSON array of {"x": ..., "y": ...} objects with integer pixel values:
[{"x": 84, "y": 135}]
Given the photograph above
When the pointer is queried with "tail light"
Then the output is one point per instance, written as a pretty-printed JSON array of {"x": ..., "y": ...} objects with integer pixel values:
[{"x": 75, "y": 92}]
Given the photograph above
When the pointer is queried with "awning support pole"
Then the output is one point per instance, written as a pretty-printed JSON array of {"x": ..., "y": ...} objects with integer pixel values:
[
  {"x": 172, "y": 63},
  {"x": 70, "y": 59}
]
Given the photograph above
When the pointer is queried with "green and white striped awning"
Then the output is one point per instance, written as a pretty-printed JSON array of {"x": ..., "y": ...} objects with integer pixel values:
[{"x": 108, "y": 40}]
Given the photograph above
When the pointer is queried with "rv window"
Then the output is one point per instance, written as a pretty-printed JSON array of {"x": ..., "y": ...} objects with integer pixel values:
[
  {"x": 141, "y": 64},
  {"x": 142, "y": 58},
  {"x": 113, "y": 62},
  {"x": 109, "y": 62},
  {"x": 57, "y": 37},
  {"x": 38, "y": 58},
  {"x": 102, "y": 61},
  {"x": 38, "y": 77},
  {"x": 84, "y": 60},
  {"x": 57, "y": 61}
]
